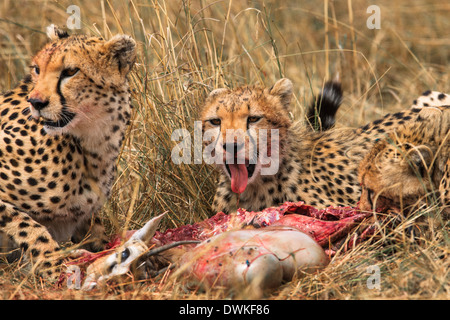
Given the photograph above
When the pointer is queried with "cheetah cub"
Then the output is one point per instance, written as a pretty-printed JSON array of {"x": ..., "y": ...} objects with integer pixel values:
[
  {"x": 61, "y": 131},
  {"x": 410, "y": 168},
  {"x": 265, "y": 159}
]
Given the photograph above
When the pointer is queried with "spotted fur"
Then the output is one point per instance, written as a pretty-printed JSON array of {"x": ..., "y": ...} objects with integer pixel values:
[
  {"x": 431, "y": 98},
  {"x": 61, "y": 131},
  {"x": 409, "y": 168},
  {"x": 319, "y": 168}
]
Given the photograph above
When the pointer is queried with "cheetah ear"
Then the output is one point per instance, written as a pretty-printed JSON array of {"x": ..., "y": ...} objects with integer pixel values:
[
  {"x": 55, "y": 33},
  {"x": 283, "y": 89},
  {"x": 216, "y": 92},
  {"x": 419, "y": 160},
  {"x": 122, "y": 48}
]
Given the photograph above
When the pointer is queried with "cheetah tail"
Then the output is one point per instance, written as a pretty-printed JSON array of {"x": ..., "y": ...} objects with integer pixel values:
[{"x": 322, "y": 111}]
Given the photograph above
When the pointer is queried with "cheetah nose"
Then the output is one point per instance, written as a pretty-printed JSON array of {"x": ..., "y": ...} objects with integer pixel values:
[
  {"x": 229, "y": 147},
  {"x": 38, "y": 104}
]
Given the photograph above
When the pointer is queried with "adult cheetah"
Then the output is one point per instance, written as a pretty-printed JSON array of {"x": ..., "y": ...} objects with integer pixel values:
[{"x": 61, "y": 131}]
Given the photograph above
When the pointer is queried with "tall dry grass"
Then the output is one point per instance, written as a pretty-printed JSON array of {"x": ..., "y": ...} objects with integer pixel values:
[{"x": 187, "y": 48}]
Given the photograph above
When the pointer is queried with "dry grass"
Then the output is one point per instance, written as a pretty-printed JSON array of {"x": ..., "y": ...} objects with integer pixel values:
[{"x": 187, "y": 48}]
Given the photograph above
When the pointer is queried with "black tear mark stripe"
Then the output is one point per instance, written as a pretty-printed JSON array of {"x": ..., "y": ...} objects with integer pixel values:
[{"x": 65, "y": 116}]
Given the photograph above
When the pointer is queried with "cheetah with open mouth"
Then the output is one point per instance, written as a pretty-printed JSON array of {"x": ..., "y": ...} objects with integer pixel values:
[
  {"x": 317, "y": 167},
  {"x": 61, "y": 131}
]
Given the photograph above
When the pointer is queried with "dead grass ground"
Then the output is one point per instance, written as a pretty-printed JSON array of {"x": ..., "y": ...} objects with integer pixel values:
[{"x": 187, "y": 48}]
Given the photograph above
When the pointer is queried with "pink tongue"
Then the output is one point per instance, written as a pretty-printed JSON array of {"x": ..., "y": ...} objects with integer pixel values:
[{"x": 239, "y": 177}]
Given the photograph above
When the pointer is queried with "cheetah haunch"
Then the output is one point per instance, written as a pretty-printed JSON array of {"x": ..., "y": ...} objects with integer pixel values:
[
  {"x": 61, "y": 131},
  {"x": 317, "y": 167}
]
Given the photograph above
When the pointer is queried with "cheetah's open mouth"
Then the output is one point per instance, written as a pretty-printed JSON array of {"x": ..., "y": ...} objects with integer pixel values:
[
  {"x": 64, "y": 119},
  {"x": 240, "y": 173}
]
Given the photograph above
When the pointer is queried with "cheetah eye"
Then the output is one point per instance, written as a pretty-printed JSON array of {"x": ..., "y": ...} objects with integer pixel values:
[
  {"x": 36, "y": 69},
  {"x": 69, "y": 72},
  {"x": 215, "y": 122},
  {"x": 253, "y": 119}
]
